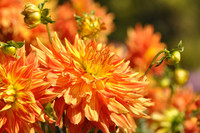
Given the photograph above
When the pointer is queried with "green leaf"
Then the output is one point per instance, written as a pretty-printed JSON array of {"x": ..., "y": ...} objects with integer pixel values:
[
  {"x": 78, "y": 18},
  {"x": 180, "y": 44},
  {"x": 49, "y": 110},
  {"x": 16, "y": 44},
  {"x": 46, "y": 20},
  {"x": 45, "y": 12},
  {"x": 40, "y": 6},
  {"x": 19, "y": 44}
]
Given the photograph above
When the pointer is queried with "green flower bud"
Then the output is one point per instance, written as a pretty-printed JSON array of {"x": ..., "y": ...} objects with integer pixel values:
[
  {"x": 174, "y": 58},
  {"x": 32, "y": 15},
  {"x": 181, "y": 76},
  {"x": 9, "y": 50}
]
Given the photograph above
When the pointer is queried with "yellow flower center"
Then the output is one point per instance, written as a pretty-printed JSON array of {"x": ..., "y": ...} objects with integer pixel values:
[
  {"x": 9, "y": 94},
  {"x": 97, "y": 62}
]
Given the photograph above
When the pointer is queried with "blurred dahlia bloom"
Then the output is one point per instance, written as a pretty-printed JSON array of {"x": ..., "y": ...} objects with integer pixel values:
[
  {"x": 143, "y": 45},
  {"x": 176, "y": 113},
  {"x": 99, "y": 89},
  {"x": 12, "y": 26},
  {"x": 11, "y": 21},
  {"x": 66, "y": 25},
  {"x": 169, "y": 121},
  {"x": 159, "y": 96},
  {"x": 22, "y": 93},
  {"x": 184, "y": 99}
]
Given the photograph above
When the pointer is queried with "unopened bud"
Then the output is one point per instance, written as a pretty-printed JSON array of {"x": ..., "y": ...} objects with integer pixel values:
[
  {"x": 89, "y": 26},
  {"x": 181, "y": 76},
  {"x": 165, "y": 82},
  {"x": 9, "y": 50},
  {"x": 32, "y": 15},
  {"x": 174, "y": 58}
]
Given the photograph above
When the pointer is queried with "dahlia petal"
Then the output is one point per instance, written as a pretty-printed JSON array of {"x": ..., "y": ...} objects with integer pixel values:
[
  {"x": 137, "y": 112},
  {"x": 36, "y": 128},
  {"x": 103, "y": 123},
  {"x": 40, "y": 74},
  {"x": 3, "y": 120},
  {"x": 116, "y": 107},
  {"x": 6, "y": 107},
  {"x": 120, "y": 120},
  {"x": 65, "y": 80},
  {"x": 41, "y": 56},
  {"x": 39, "y": 112},
  {"x": 71, "y": 49},
  {"x": 75, "y": 128},
  {"x": 54, "y": 64},
  {"x": 39, "y": 87},
  {"x": 13, "y": 126},
  {"x": 75, "y": 115},
  {"x": 26, "y": 97},
  {"x": 57, "y": 44},
  {"x": 49, "y": 96},
  {"x": 52, "y": 78},
  {"x": 44, "y": 49},
  {"x": 92, "y": 109},
  {"x": 71, "y": 96},
  {"x": 59, "y": 108},
  {"x": 85, "y": 90},
  {"x": 26, "y": 116},
  {"x": 31, "y": 59},
  {"x": 22, "y": 74}
]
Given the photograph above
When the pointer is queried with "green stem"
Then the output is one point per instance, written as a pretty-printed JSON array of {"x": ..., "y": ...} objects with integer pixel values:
[
  {"x": 154, "y": 59},
  {"x": 64, "y": 128},
  {"x": 43, "y": 127},
  {"x": 49, "y": 34}
]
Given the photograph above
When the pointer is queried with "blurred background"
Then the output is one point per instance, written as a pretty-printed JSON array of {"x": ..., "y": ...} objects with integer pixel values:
[{"x": 175, "y": 20}]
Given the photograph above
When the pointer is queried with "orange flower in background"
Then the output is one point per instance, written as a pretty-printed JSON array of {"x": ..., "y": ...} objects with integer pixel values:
[
  {"x": 12, "y": 26},
  {"x": 11, "y": 21},
  {"x": 21, "y": 89},
  {"x": 66, "y": 25},
  {"x": 143, "y": 45},
  {"x": 184, "y": 99},
  {"x": 87, "y": 6},
  {"x": 160, "y": 98},
  {"x": 99, "y": 89},
  {"x": 65, "y": 22}
]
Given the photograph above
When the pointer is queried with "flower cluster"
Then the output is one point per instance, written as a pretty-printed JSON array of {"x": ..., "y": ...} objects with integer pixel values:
[{"x": 72, "y": 81}]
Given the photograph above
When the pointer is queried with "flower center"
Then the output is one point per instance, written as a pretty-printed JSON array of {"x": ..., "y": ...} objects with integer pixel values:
[
  {"x": 97, "y": 63},
  {"x": 9, "y": 94}
]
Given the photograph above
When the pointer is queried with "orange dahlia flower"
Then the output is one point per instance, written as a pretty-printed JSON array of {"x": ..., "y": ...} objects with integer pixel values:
[
  {"x": 184, "y": 99},
  {"x": 99, "y": 88},
  {"x": 160, "y": 98},
  {"x": 66, "y": 25},
  {"x": 11, "y": 21},
  {"x": 12, "y": 26},
  {"x": 87, "y": 6},
  {"x": 143, "y": 45},
  {"x": 21, "y": 89}
]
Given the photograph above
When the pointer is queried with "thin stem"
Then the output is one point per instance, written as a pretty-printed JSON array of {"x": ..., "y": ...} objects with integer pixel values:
[
  {"x": 64, "y": 128},
  {"x": 154, "y": 59},
  {"x": 43, "y": 127},
  {"x": 49, "y": 34}
]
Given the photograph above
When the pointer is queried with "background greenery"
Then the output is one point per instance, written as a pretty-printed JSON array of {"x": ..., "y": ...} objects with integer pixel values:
[{"x": 175, "y": 19}]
